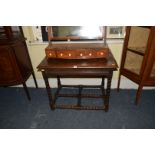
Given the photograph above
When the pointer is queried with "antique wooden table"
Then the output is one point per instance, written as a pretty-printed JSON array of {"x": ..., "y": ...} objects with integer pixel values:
[{"x": 78, "y": 68}]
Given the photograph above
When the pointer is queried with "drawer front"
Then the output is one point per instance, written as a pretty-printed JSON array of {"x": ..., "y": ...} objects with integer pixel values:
[
  {"x": 8, "y": 70},
  {"x": 77, "y": 53},
  {"x": 50, "y": 53}
]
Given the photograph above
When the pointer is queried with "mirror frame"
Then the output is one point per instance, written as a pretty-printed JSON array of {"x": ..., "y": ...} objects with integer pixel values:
[{"x": 75, "y": 38}]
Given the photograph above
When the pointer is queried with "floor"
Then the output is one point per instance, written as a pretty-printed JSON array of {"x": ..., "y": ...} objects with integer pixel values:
[{"x": 17, "y": 112}]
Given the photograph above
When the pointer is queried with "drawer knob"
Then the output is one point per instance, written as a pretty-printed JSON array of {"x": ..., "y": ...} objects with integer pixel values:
[{"x": 101, "y": 53}]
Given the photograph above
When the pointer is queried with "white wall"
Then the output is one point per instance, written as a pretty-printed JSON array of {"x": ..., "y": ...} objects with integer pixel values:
[{"x": 37, "y": 53}]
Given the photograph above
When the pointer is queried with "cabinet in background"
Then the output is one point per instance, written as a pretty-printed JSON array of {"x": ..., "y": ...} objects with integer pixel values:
[
  {"x": 15, "y": 63},
  {"x": 138, "y": 57}
]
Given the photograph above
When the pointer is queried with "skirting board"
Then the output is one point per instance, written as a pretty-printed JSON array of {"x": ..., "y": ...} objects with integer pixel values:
[{"x": 125, "y": 83}]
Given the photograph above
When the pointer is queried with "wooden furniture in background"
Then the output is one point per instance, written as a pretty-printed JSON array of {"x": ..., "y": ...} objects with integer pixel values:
[
  {"x": 138, "y": 57},
  {"x": 15, "y": 63},
  {"x": 64, "y": 68}
]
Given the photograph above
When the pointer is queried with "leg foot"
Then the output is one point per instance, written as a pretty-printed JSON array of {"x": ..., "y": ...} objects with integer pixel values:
[
  {"x": 106, "y": 107},
  {"x": 52, "y": 107}
]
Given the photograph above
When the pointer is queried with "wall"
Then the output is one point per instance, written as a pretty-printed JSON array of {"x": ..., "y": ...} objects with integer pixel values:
[{"x": 37, "y": 53}]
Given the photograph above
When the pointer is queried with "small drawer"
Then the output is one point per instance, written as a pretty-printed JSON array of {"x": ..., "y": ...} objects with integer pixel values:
[
  {"x": 76, "y": 53},
  {"x": 66, "y": 54},
  {"x": 50, "y": 54},
  {"x": 102, "y": 53}
]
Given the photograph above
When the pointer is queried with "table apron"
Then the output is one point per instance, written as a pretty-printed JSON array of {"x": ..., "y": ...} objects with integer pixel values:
[{"x": 78, "y": 72}]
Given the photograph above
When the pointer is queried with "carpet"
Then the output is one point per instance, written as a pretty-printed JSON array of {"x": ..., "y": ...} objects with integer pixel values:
[{"x": 17, "y": 112}]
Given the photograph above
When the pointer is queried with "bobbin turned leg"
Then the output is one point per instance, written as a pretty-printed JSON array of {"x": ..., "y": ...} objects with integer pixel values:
[
  {"x": 103, "y": 88},
  {"x": 58, "y": 89},
  {"x": 107, "y": 95},
  {"x": 51, "y": 101}
]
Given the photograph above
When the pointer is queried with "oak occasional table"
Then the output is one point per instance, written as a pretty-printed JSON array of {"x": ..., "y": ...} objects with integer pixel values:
[{"x": 78, "y": 68}]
